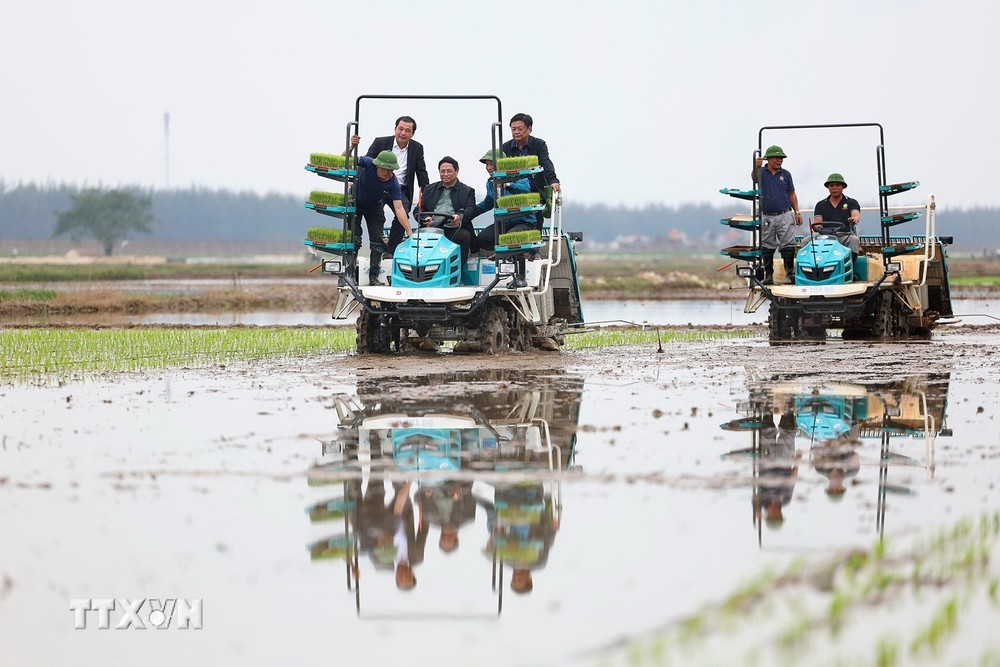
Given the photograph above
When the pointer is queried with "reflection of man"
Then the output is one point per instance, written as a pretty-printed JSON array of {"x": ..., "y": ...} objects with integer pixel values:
[
  {"x": 388, "y": 533},
  {"x": 522, "y": 525},
  {"x": 837, "y": 460},
  {"x": 779, "y": 467},
  {"x": 408, "y": 542},
  {"x": 449, "y": 505}
]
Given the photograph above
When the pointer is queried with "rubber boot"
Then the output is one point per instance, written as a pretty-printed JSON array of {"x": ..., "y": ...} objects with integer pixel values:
[
  {"x": 767, "y": 256},
  {"x": 854, "y": 267},
  {"x": 374, "y": 267},
  {"x": 788, "y": 258}
]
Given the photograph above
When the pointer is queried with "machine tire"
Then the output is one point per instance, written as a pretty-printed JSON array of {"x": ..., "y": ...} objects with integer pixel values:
[
  {"x": 886, "y": 317},
  {"x": 781, "y": 325},
  {"x": 521, "y": 332},
  {"x": 494, "y": 336},
  {"x": 372, "y": 336}
]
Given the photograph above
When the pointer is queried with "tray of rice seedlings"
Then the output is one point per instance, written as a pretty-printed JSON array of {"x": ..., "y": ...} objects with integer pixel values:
[
  {"x": 329, "y": 510},
  {"x": 330, "y": 203},
  {"x": 333, "y": 548},
  {"x": 328, "y": 237},
  {"x": 520, "y": 203},
  {"x": 511, "y": 240},
  {"x": 516, "y": 166},
  {"x": 337, "y": 167}
]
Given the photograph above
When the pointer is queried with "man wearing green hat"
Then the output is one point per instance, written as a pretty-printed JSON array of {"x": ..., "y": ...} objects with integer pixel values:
[
  {"x": 487, "y": 238},
  {"x": 838, "y": 215},
  {"x": 779, "y": 207},
  {"x": 375, "y": 187}
]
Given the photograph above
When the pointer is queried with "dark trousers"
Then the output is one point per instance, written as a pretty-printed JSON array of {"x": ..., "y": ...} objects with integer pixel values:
[
  {"x": 462, "y": 237},
  {"x": 374, "y": 218}
]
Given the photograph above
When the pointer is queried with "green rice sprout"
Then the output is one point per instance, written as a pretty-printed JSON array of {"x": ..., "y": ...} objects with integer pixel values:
[
  {"x": 517, "y": 163},
  {"x": 517, "y": 238},
  {"x": 329, "y": 161},
  {"x": 31, "y": 353},
  {"x": 27, "y": 295},
  {"x": 327, "y": 198},
  {"x": 518, "y": 201},
  {"x": 328, "y": 235}
]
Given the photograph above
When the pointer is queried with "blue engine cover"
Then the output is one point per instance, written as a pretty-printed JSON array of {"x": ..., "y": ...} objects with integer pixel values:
[
  {"x": 823, "y": 261},
  {"x": 427, "y": 259}
]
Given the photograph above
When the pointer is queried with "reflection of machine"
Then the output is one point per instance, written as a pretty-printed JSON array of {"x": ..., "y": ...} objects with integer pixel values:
[
  {"x": 496, "y": 454},
  {"x": 838, "y": 419}
]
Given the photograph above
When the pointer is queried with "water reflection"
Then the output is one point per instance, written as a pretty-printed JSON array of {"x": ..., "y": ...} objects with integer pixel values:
[
  {"x": 482, "y": 468},
  {"x": 833, "y": 427}
]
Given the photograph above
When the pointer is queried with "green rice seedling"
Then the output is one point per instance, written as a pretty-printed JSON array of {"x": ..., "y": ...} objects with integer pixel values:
[
  {"x": 613, "y": 337},
  {"x": 41, "y": 352},
  {"x": 887, "y": 653},
  {"x": 519, "y": 200},
  {"x": 517, "y": 238},
  {"x": 327, "y": 198},
  {"x": 27, "y": 295},
  {"x": 328, "y": 161},
  {"x": 517, "y": 163},
  {"x": 328, "y": 235}
]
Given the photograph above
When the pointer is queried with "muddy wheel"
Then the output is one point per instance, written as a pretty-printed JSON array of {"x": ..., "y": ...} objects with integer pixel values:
[
  {"x": 520, "y": 333},
  {"x": 885, "y": 317},
  {"x": 781, "y": 324},
  {"x": 374, "y": 334},
  {"x": 493, "y": 334}
]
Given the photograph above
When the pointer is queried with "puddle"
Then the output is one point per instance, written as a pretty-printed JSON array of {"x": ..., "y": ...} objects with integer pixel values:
[{"x": 488, "y": 517}]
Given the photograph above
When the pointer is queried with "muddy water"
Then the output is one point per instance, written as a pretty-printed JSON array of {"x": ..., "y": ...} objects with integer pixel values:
[
  {"x": 971, "y": 310},
  {"x": 630, "y": 487}
]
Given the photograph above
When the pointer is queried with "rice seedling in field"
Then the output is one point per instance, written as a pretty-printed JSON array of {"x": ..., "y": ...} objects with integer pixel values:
[
  {"x": 613, "y": 337},
  {"x": 329, "y": 161},
  {"x": 327, "y": 198},
  {"x": 517, "y": 238},
  {"x": 517, "y": 163},
  {"x": 795, "y": 615},
  {"x": 27, "y": 295},
  {"x": 519, "y": 200},
  {"x": 328, "y": 235},
  {"x": 32, "y": 352}
]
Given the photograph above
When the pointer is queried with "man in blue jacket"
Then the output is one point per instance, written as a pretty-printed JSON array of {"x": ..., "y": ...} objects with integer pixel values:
[
  {"x": 779, "y": 207},
  {"x": 487, "y": 239},
  {"x": 375, "y": 188}
]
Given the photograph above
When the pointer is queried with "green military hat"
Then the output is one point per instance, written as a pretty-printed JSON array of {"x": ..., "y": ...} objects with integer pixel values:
[
  {"x": 774, "y": 151},
  {"x": 835, "y": 178},
  {"x": 492, "y": 156},
  {"x": 386, "y": 160}
]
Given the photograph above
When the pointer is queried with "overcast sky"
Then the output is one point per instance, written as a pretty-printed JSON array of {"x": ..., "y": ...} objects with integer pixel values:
[{"x": 640, "y": 102}]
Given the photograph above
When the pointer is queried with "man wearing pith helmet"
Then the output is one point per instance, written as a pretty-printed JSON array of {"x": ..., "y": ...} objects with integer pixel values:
[
  {"x": 779, "y": 207},
  {"x": 838, "y": 215},
  {"x": 375, "y": 187}
]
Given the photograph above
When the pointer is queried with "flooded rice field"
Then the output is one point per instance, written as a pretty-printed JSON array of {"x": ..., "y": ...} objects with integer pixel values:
[
  {"x": 525, "y": 509},
  {"x": 975, "y": 309}
]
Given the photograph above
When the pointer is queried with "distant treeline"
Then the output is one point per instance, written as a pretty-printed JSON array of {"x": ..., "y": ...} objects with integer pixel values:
[{"x": 30, "y": 211}]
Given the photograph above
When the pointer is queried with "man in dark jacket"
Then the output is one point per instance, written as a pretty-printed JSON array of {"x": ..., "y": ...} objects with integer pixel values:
[
  {"x": 451, "y": 196},
  {"x": 409, "y": 154},
  {"x": 525, "y": 144}
]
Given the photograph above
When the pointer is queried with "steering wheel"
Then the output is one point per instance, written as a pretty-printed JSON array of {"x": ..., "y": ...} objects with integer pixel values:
[{"x": 442, "y": 220}]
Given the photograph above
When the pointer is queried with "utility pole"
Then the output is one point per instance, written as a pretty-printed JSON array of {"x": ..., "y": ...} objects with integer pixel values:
[{"x": 166, "y": 149}]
